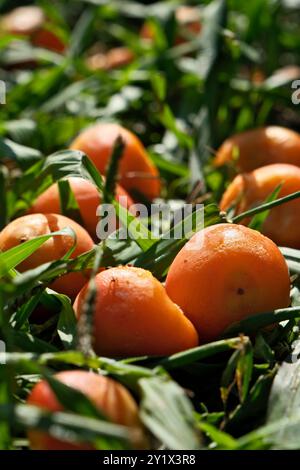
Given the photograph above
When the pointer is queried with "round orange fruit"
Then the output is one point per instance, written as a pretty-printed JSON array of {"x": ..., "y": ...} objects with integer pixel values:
[
  {"x": 137, "y": 172},
  {"x": 87, "y": 198},
  {"x": 258, "y": 147},
  {"x": 225, "y": 273},
  {"x": 107, "y": 395},
  {"x": 249, "y": 190},
  {"x": 134, "y": 316},
  {"x": 30, "y": 226}
]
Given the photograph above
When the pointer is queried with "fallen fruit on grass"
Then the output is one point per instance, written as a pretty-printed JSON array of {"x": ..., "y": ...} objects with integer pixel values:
[
  {"x": 133, "y": 315},
  {"x": 114, "y": 58},
  {"x": 225, "y": 273},
  {"x": 30, "y": 21},
  {"x": 33, "y": 225},
  {"x": 136, "y": 170},
  {"x": 189, "y": 25},
  {"x": 107, "y": 395},
  {"x": 258, "y": 147},
  {"x": 249, "y": 190},
  {"x": 87, "y": 198}
]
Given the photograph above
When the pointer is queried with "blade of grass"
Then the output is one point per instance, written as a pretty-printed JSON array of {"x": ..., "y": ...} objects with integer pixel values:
[
  {"x": 190, "y": 356},
  {"x": 257, "y": 221},
  {"x": 255, "y": 322},
  {"x": 266, "y": 206},
  {"x": 159, "y": 256},
  {"x": 83, "y": 429},
  {"x": 112, "y": 171},
  {"x": 168, "y": 413},
  {"x": 68, "y": 203}
]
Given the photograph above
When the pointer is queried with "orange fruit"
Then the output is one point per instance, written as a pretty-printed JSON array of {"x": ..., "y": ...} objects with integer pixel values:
[
  {"x": 48, "y": 40},
  {"x": 114, "y": 58},
  {"x": 30, "y": 21},
  {"x": 249, "y": 190},
  {"x": 30, "y": 226},
  {"x": 188, "y": 20},
  {"x": 107, "y": 395},
  {"x": 136, "y": 169},
  {"x": 225, "y": 273},
  {"x": 258, "y": 147},
  {"x": 87, "y": 197},
  {"x": 134, "y": 316}
]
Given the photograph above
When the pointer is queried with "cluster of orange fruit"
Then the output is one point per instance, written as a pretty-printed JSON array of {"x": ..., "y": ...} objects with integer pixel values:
[
  {"x": 266, "y": 158},
  {"x": 134, "y": 313},
  {"x": 223, "y": 274},
  {"x": 31, "y": 22},
  {"x": 126, "y": 297},
  {"x": 136, "y": 172}
]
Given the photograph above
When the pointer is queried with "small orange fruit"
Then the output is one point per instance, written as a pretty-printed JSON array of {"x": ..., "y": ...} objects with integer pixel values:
[
  {"x": 225, "y": 273},
  {"x": 134, "y": 316},
  {"x": 87, "y": 197},
  {"x": 30, "y": 226},
  {"x": 258, "y": 147},
  {"x": 114, "y": 58},
  {"x": 136, "y": 169},
  {"x": 249, "y": 190},
  {"x": 108, "y": 396},
  {"x": 30, "y": 21},
  {"x": 189, "y": 24}
]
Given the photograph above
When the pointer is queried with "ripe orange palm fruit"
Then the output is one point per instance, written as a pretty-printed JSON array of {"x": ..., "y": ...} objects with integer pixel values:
[
  {"x": 30, "y": 226},
  {"x": 30, "y": 21},
  {"x": 258, "y": 147},
  {"x": 134, "y": 316},
  {"x": 108, "y": 396},
  {"x": 251, "y": 189},
  {"x": 136, "y": 169},
  {"x": 225, "y": 273},
  {"x": 87, "y": 197}
]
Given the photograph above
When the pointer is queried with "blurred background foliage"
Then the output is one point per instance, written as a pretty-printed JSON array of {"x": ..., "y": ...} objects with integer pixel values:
[{"x": 182, "y": 100}]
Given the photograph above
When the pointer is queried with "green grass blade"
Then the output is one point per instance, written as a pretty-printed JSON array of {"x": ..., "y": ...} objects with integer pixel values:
[
  {"x": 199, "y": 353},
  {"x": 255, "y": 322},
  {"x": 266, "y": 206}
]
